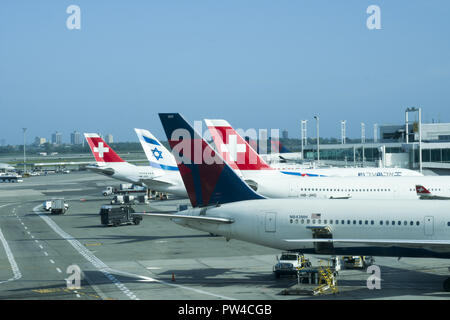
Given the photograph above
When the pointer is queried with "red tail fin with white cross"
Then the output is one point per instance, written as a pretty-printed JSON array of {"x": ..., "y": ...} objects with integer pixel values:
[
  {"x": 102, "y": 152},
  {"x": 233, "y": 148}
]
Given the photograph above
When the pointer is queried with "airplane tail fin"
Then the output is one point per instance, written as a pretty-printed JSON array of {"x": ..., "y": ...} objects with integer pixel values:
[
  {"x": 422, "y": 191},
  {"x": 233, "y": 148},
  {"x": 207, "y": 178},
  {"x": 100, "y": 149},
  {"x": 157, "y": 154}
]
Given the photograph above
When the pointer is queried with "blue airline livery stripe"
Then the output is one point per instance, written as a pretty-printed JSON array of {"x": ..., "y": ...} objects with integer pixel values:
[
  {"x": 162, "y": 166},
  {"x": 303, "y": 174},
  {"x": 150, "y": 140}
]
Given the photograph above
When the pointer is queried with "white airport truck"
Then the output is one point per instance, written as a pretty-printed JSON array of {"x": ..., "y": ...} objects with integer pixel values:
[
  {"x": 289, "y": 263},
  {"x": 58, "y": 206},
  {"x": 124, "y": 188}
]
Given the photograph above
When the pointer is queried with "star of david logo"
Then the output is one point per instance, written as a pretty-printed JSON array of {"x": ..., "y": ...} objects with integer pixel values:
[{"x": 157, "y": 154}]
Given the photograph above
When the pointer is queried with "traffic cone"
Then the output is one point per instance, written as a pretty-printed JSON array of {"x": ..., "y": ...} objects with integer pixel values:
[{"x": 173, "y": 277}]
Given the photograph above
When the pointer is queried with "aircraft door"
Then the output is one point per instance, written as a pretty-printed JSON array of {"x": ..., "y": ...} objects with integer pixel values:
[
  {"x": 429, "y": 225},
  {"x": 271, "y": 221}
]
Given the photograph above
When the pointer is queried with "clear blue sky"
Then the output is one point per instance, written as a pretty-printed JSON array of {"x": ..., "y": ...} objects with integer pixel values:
[{"x": 256, "y": 63}]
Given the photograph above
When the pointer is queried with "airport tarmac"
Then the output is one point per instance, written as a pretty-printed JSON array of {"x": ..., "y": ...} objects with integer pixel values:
[{"x": 157, "y": 259}]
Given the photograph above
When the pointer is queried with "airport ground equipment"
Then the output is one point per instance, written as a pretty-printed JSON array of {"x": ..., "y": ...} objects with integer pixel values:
[
  {"x": 58, "y": 206},
  {"x": 356, "y": 262},
  {"x": 129, "y": 199},
  {"x": 116, "y": 216},
  {"x": 124, "y": 188},
  {"x": 47, "y": 205},
  {"x": 290, "y": 263},
  {"x": 327, "y": 281}
]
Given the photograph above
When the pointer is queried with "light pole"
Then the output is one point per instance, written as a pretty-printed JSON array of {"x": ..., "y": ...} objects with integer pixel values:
[
  {"x": 24, "y": 153},
  {"x": 343, "y": 123},
  {"x": 303, "y": 137},
  {"x": 419, "y": 110},
  {"x": 317, "y": 129},
  {"x": 363, "y": 140}
]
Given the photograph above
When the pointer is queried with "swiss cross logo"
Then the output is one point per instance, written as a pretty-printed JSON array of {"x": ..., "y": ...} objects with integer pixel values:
[
  {"x": 233, "y": 147},
  {"x": 101, "y": 150}
]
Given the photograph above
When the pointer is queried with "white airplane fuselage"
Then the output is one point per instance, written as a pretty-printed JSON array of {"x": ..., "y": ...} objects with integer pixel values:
[
  {"x": 273, "y": 184},
  {"x": 387, "y": 228},
  {"x": 153, "y": 178}
]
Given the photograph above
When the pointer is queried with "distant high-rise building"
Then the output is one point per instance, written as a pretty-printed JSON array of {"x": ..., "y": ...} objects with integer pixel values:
[
  {"x": 109, "y": 138},
  {"x": 75, "y": 138},
  {"x": 39, "y": 141},
  {"x": 57, "y": 138},
  {"x": 284, "y": 134}
]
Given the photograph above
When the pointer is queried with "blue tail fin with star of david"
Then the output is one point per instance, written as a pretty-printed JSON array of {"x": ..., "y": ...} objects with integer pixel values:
[{"x": 157, "y": 154}]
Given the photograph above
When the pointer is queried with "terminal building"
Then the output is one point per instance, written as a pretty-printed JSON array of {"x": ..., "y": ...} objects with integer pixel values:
[{"x": 395, "y": 146}]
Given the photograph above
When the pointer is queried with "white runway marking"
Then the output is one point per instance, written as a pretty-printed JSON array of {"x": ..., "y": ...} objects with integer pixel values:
[
  {"x": 96, "y": 262},
  {"x": 52, "y": 261},
  {"x": 59, "y": 270},
  {"x": 148, "y": 279},
  {"x": 12, "y": 261}
]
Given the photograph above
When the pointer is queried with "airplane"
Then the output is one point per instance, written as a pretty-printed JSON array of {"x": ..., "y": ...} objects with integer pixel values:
[
  {"x": 275, "y": 183},
  {"x": 6, "y": 167},
  {"x": 154, "y": 176},
  {"x": 425, "y": 194},
  {"x": 280, "y": 154},
  {"x": 225, "y": 205},
  {"x": 228, "y": 141}
]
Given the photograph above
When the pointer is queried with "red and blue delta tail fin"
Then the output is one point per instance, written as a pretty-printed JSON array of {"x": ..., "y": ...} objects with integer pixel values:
[
  {"x": 207, "y": 178},
  {"x": 100, "y": 149}
]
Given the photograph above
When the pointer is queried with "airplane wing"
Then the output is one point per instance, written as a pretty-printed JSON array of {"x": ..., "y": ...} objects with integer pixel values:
[
  {"x": 187, "y": 217},
  {"x": 424, "y": 194}
]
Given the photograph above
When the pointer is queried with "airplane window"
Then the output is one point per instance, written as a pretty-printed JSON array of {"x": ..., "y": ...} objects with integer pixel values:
[
  {"x": 448, "y": 224},
  {"x": 411, "y": 223},
  {"x": 360, "y": 221},
  {"x": 348, "y": 221},
  {"x": 331, "y": 221},
  {"x": 307, "y": 221},
  {"x": 292, "y": 220},
  {"x": 319, "y": 221},
  {"x": 314, "y": 221},
  {"x": 381, "y": 222},
  {"x": 343, "y": 221},
  {"x": 302, "y": 221},
  {"x": 324, "y": 221},
  {"x": 387, "y": 222},
  {"x": 296, "y": 221},
  {"x": 399, "y": 223},
  {"x": 405, "y": 223},
  {"x": 371, "y": 222},
  {"x": 417, "y": 223},
  {"x": 354, "y": 221}
]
